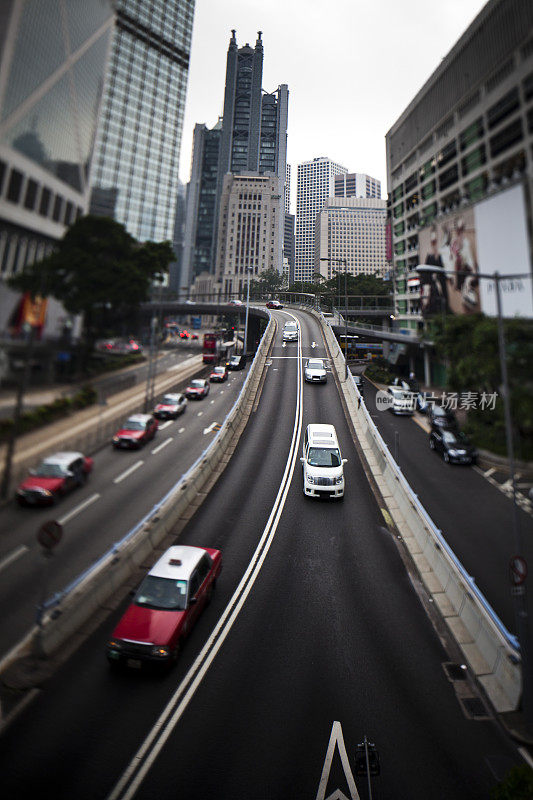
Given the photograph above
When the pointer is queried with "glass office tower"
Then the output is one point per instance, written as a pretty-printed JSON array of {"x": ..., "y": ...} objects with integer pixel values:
[
  {"x": 53, "y": 56},
  {"x": 135, "y": 176}
]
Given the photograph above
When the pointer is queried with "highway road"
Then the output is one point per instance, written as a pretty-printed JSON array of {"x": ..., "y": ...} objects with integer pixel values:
[
  {"x": 122, "y": 488},
  {"x": 317, "y": 636},
  {"x": 474, "y": 516}
]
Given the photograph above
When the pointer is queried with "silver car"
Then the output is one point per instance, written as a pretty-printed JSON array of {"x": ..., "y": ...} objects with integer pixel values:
[{"x": 315, "y": 371}]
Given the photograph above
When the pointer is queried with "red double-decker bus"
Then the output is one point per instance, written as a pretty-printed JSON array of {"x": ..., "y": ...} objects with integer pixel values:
[
  {"x": 216, "y": 348},
  {"x": 212, "y": 347}
]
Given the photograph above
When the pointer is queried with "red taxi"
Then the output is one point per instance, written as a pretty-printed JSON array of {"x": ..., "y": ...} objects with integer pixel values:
[
  {"x": 219, "y": 375},
  {"x": 136, "y": 431},
  {"x": 54, "y": 477},
  {"x": 165, "y": 607},
  {"x": 197, "y": 389}
]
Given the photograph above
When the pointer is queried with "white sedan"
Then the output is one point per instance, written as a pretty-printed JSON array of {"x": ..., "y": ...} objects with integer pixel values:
[{"x": 315, "y": 371}]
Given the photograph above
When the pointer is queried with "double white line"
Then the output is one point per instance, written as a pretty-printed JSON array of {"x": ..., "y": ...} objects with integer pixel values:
[{"x": 169, "y": 718}]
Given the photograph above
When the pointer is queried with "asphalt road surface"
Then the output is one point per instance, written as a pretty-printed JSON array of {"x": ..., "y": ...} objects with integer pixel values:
[{"x": 316, "y": 637}]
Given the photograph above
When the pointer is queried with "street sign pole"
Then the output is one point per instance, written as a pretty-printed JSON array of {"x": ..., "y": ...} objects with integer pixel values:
[{"x": 49, "y": 535}]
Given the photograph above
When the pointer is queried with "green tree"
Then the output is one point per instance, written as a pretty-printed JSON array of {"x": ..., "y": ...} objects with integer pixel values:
[
  {"x": 268, "y": 282},
  {"x": 518, "y": 785},
  {"x": 469, "y": 346},
  {"x": 99, "y": 270}
]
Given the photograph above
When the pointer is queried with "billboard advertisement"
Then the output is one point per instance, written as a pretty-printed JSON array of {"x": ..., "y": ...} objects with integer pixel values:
[{"x": 488, "y": 237}]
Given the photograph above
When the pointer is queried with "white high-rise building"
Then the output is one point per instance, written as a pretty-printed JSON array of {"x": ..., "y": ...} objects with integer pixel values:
[
  {"x": 315, "y": 183},
  {"x": 357, "y": 184},
  {"x": 351, "y": 230}
]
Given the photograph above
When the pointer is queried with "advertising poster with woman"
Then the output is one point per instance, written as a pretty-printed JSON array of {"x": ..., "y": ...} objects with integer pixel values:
[{"x": 450, "y": 247}]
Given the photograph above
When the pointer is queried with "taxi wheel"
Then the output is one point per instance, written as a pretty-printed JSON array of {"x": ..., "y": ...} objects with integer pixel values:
[{"x": 176, "y": 652}]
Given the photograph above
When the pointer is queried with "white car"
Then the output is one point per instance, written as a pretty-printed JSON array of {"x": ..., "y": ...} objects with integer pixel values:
[
  {"x": 402, "y": 401},
  {"x": 315, "y": 371},
  {"x": 323, "y": 473},
  {"x": 290, "y": 332}
]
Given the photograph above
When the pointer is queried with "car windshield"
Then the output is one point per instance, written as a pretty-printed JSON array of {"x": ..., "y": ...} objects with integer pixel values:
[
  {"x": 162, "y": 593},
  {"x": 455, "y": 438},
  {"x": 197, "y": 384},
  {"x": 169, "y": 400},
  {"x": 324, "y": 457},
  {"x": 219, "y": 370},
  {"x": 290, "y": 326},
  {"x": 234, "y": 360},
  {"x": 45, "y": 470},
  {"x": 134, "y": 425},
  {"x": 316, "y": 364}
]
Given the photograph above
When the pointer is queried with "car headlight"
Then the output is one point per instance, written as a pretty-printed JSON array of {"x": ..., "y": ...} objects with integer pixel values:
[
  {"x": 115, "y": 438},
  {"x": 114, "y": 644},
  {"x": 162, "y": 652},
  {"x": 310, "y": 479},
  {"x": 339, "y": 479},
  {"x": 453, "y": 453}
]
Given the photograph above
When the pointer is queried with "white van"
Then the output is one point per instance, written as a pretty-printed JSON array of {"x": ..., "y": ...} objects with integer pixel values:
[{"x": 323, "y": 473}]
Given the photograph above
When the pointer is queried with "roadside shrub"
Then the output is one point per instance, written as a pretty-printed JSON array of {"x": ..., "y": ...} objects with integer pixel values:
[{"x": 50, "y": 412}]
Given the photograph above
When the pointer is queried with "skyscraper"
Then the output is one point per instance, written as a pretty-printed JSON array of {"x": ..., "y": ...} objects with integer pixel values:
[
  {"x": 199, "y": 245},
  {"x": 136, "y": 169},
  {"x": 315, "y": 182},
  {"x": 254, "y": 124},
  {"x": 53, "y": 59},
  {"x": 251, "y": 139},
  {"x": 351, "y": 229},
  {"x": 357, "y": 184}
]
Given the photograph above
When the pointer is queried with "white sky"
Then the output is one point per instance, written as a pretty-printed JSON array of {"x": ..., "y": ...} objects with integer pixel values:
[{"x": 352, "y": 67}]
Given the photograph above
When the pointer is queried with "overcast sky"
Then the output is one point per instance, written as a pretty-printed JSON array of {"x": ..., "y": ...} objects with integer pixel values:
[{"x": 352, "y": 67}]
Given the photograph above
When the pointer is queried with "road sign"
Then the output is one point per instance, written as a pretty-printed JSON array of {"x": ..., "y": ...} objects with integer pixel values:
[
  {"x": 517, "y": 570},
  {"x": 49, "y": 534}
]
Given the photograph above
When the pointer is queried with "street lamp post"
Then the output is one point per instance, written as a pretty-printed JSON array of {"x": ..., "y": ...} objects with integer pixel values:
[
  {"x": 518, "y": 592},
  {"x": 343, "y": 261},
  {"x": 248, "y": 270}
]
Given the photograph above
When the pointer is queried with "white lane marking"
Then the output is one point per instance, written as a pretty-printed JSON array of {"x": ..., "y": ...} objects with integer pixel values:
[
  {"x": 13, "y": 556},
  {"x": 160, "y": 446},
  {"x": 200, "y": 413},
  {"x": 79, "y": 508},
  {"x": 212, "y": 401},
  {"x": 181, "y": 430},
  {"x": 164, "y": 425},
  {"x": 145, "y": 756},
  {"x": 128, "y": 471},
  {"x": 208, "y": 430},
  {"x": 336, "y": 739},
  {"x": 525, "y": 755},
  {"x": 489, "y": 472}
]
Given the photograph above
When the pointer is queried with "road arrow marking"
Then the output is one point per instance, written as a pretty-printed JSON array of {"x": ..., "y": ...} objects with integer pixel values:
[
  {"x": 313, "y": 344},
  {"x": 337, "y": 739}
]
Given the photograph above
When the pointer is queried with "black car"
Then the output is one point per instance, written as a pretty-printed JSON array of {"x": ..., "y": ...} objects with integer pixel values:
[
  {"x": 453, "y": 445},
  {"x": 358, "y": 380},
  {"x": 440, "y": 417},
  {"x": 237, "y": 362}
]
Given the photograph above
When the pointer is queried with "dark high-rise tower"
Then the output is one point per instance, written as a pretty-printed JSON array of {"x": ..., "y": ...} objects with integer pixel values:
[{"x": 251, "y": 138}]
